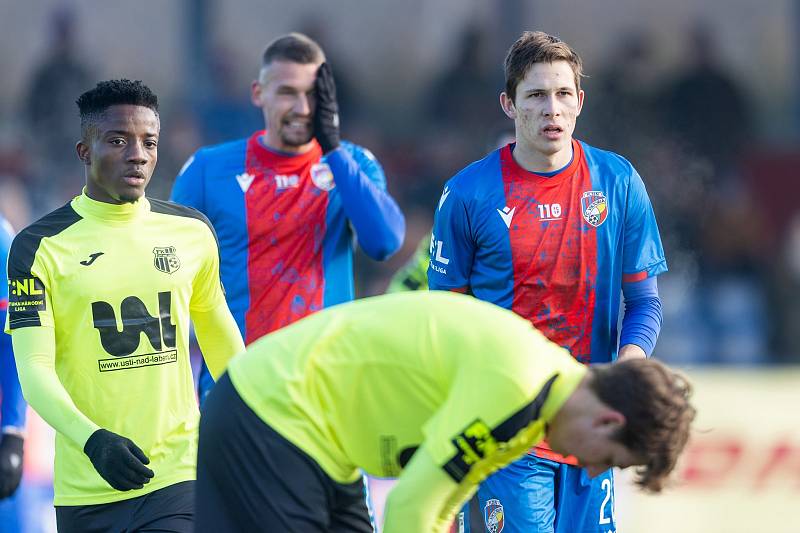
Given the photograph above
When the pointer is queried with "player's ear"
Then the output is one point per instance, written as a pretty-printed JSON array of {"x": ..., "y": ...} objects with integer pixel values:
[
  {"x": 255, "y": 93},
  {"x": 581, "y": 96},
  {"x": 608, "y": 421},
  {"x": 508, "y": 106},
  {"x": 84, "y": 153}
]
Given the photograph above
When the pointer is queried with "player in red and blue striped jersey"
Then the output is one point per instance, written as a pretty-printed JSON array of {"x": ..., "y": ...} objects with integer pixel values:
[
  {"x": 557, "y": 231},
  {"x": 286, "y": 201},
  {"x": 12, "y": 404}
]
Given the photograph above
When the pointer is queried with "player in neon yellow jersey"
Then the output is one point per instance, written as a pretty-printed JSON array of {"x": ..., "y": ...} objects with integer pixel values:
[
  {"x": 287, "y": 430},
  {"x": 101, "y": 292},
  {"x": 413, "y": 275}
]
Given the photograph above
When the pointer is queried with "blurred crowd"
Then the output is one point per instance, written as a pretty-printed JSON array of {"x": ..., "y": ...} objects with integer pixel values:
[{"x": 731, "y": 231}]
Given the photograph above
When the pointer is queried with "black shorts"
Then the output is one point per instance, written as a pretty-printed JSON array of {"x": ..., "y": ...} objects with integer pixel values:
[
  {"x": 250, "y": 478},
  {"x": 170, "y": 509}
]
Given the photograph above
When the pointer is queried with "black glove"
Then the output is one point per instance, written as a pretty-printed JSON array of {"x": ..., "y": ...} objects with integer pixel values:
[
  {"x": 10, "y": 464},
  {"x": 118, "y": 460},
  {"x": 326, "y": 114}
]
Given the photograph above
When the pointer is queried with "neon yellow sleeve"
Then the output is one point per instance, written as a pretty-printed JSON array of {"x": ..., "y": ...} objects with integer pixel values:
[
  {"x": 218, "y": 336},
  {"x": 413, "y": 276},
  {"x": 425, "y": 498},
  {"x": 35, "y": 354}
]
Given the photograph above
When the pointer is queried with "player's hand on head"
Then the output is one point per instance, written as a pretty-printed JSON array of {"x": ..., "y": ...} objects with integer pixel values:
[
  {"x": 10, "y": 463},
  {"x": 326, "y": 112},
  {"x": 118, "y": 460}
]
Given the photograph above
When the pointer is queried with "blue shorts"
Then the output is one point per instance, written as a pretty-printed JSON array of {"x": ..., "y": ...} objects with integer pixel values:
[{"x": 534, "y": 495}]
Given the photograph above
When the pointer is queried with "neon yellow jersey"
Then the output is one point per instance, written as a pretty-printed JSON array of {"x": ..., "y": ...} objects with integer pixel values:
[
  {"x": 473, "y": 384},
  {"x": 116, "y": 283}
]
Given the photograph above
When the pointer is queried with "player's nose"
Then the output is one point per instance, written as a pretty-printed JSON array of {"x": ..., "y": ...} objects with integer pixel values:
[
  {"x": 550, "y": 106},
  {"x": 302, "y": 105},
  {"x": 137, "y": 153}
]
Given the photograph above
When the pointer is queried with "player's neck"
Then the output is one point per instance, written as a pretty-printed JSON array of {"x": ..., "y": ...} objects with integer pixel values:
[
  {"x": 534, "y": 160},
  {"x": 560, "y": 426},
  {"x": 283, "y": 149}
]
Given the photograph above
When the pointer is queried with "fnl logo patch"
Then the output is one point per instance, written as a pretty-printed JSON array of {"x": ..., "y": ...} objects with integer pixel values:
[
  {"x": 594, "y": 207},
  {"x": 493, "y": 516},
  {"x": 26, "y": 295}
]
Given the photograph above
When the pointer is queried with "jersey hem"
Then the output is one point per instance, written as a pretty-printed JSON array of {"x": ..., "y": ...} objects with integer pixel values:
[
  {"x": 443, "y": 287},
  {"x": 118, "y": 496}
]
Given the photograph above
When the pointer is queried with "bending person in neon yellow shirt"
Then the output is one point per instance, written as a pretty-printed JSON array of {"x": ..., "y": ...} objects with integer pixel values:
[
  {"x": 101, "y": 293},
  {"x": 286, "y": 431}
]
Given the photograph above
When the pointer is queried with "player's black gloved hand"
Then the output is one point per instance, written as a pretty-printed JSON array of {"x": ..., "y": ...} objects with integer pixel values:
[
  {"x": 10, "y": 464},
  {"x": 326, "y": 114},
  {"x": 118, "y": 460}
]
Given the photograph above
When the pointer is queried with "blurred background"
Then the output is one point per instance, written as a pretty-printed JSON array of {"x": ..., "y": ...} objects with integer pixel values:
[{"x": 702, "y": 97}]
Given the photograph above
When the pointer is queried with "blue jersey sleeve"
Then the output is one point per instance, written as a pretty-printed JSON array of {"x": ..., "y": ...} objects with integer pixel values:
[
  {"x": 643, "y": 253},
  {"x": 378, "y": 222},
  {"x": 188, "y": 187},
  {"x": 642, "y": 321},
  {"x": 12, "y": 404},
  {"x": 452, "y": 247}
]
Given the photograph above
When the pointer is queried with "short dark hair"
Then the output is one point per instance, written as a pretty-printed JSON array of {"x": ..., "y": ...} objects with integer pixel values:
[
  {"x": 93, "y": 103},
  {"x": 294, "y": 47},
  {"x": 538, "y": 47},
  {"x": 655, "y": 403}
]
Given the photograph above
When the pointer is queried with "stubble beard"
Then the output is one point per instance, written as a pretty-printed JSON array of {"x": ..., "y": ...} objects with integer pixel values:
[{"x": 294, "y": 142}]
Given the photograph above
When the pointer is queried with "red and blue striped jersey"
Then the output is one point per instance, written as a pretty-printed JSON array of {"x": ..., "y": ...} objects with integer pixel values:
[
  {"x": 553, "y": 249},
  {"x": 285, "y": 226}
]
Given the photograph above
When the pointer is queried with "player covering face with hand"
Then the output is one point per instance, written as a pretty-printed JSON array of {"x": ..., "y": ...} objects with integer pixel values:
[
  {"x": 287, "y": 431},
  {"x": 290, "y": 201}
]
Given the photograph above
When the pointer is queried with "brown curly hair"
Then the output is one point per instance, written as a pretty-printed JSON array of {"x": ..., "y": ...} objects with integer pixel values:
[{"x": 655, "y": 402}]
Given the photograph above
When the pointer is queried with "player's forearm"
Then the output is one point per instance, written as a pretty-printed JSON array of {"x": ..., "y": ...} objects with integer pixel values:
[
  {"x": 641, "y": 323},
  {"x": 218, "y": 336},
  {"x": 34, "y": 350},
  {"x": 631, "y": 351},
  {"x": 407, "y": 513},
  {"x": 376, "y": 217},
  {"x": 413, "y": 520},
  {"x": 425, "y": 498}
]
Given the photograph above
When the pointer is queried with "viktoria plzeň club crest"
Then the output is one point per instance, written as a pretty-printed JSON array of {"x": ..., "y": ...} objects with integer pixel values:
[
  {"x": 493, "y": 516},
  {"x": 594, "y": 207},
  {"x": 322, "y": 176},
  {"x": 166, "y": 260}
]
